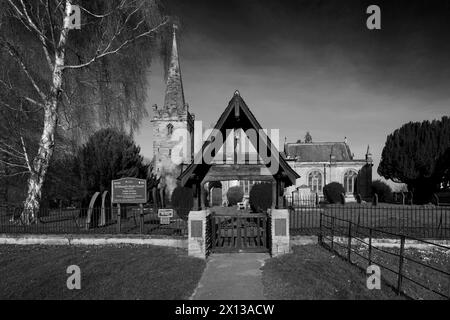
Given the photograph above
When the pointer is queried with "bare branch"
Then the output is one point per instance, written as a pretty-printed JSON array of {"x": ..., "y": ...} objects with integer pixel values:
[
  {"x": 95, "y": 15},
  {"x": 25, "y": 153},
  {"x": 50, "y": 19},
  {"x": 15, "y": 174},
  {"x": 13, "y": 52},
  {"x": 20, "y": 109},
  {"x": 13, "y": 164},
  {"x": 25, "y": 16},
  {"x": 32, "y": 101},
  {"x": 40, "y": 105},
  {"x": 11, "y": 154},
  {"x": 107, "y": 52}
]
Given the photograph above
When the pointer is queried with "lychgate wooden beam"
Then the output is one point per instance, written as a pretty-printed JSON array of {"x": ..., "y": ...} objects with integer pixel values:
[{"x": 236, "y": 115}]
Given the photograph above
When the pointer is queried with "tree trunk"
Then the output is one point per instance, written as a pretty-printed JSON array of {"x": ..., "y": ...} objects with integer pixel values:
[
  {"x": 42, "y": 159},
  {"x": 41, "y": 162}
]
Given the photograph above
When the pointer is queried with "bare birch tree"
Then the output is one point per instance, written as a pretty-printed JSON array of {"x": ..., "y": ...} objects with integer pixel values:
[{"x": 66, "y": 57}]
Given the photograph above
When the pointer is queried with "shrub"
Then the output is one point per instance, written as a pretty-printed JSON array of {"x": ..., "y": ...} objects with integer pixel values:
[
  {"x": 234, "y": 195},
  {"x": 383, "y": 190},
  {"x": 261, "y": 197},
  {"x": 182, "y": 201},
  {"x": 332, "y": 192},
  {"x": 107, "y": 155}
]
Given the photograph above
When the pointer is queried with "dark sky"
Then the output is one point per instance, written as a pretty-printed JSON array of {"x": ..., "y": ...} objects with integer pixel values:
[{"x": 314, "y": 66}]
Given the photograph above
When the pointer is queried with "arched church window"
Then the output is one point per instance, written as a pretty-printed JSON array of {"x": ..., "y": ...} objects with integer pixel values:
[
  {"x": 315, "y": 181},
  {"x": 169, "y": 129},
  {"x": 349, "y": 181}
]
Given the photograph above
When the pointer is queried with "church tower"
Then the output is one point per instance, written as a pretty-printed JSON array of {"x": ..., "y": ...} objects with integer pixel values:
[{"x": 173, "y": 126}]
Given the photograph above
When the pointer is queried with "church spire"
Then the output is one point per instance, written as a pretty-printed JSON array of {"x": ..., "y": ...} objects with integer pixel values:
[
  {"x": 174, "y": 98},
  {"x": 368, "y": 155}
]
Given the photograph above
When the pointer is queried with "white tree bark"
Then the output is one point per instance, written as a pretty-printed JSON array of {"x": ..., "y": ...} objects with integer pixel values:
[
  {"x": 47, "y": 141},
  {"x": 51, "y": 99}
]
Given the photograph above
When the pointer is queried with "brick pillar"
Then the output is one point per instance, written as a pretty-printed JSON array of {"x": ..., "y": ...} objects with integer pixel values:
[
  {"x": 197, "y": 233},
  {"x": 274, "y": 194},
  {"x": 280, "y": 231},
  {"x": 196, "y": 204}
]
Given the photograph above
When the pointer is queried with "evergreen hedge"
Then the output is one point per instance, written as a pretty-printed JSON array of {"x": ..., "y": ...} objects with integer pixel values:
[
  {"x": 234, "y": 195},
  {"x": 261, "y": 197},
  {"x": 333, "y": 191},
  {"x": 182, "y": 201},
  {"x": 383, "y": 190}
]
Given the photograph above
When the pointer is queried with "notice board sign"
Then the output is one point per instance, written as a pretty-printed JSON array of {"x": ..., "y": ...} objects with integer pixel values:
[
  {"x": 165, "y": 215},
  {"x": 129, "y": 190}
]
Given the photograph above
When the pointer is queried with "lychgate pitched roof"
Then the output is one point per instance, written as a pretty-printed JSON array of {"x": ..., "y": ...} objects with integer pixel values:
[{"x": 236, "y": 115}]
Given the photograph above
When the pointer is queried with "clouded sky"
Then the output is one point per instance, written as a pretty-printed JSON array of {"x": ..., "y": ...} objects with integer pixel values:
[{"x": 313, "y": 66}]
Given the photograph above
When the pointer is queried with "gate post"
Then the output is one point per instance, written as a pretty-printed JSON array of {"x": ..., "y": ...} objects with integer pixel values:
[
  {"x": 197, "y": 234},
  {"x": 279, "y": 231}
]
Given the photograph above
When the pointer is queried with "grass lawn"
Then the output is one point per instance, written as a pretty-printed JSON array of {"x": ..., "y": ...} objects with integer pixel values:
[
  {"x": 418, "y": 266},
  {"x": 107, "y": 272},
  {"x": 311, "y": 272}
]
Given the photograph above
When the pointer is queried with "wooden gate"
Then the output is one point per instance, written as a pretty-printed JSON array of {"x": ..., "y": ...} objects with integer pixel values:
[{"x": 240, "y": 233}]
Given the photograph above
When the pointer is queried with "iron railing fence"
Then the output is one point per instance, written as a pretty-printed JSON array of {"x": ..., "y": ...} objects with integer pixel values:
[
  {"x": 312, "y": 201},
  {"x": 303, "y": 214},
  {"x": 91, "y": 221},
  {"x": 425, "y": 222},
  {"x": 415, "y": 273},
  {"x": 407, "y": 198}
]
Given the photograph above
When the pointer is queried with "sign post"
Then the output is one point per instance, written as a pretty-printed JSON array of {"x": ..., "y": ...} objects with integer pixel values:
[
  {"x": 132, "y": 191},
  {"x": 118, "y": 218},
  {"x": 141, "y": 218}
]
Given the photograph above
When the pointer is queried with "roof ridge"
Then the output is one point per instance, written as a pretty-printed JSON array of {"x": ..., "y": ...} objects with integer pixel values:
[{"x": 316, "y": 143}]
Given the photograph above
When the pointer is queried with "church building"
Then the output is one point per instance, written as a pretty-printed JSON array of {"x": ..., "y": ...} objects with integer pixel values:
[{"x": 311, "y": 165}]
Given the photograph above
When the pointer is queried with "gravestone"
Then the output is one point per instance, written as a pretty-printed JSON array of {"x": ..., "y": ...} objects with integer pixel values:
[
  {"x": 105, "y": 215},
  {"x": 435, "y": 199},
  {"x": 92, "y": 214},
  {"x": 375, "y": 200},
  {"x": 342, "y": 196},
  {"x": 306, "y": 197}
]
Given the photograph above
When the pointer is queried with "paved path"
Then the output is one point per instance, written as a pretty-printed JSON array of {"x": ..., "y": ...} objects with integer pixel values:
[{"x": 235, "y": 276}]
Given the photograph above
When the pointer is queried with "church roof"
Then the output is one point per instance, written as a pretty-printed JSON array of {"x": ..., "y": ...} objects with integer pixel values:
[
  {"x": 318, "y": 151},
  {"x": 236, "y": 115},
  {"x": 174, "y": 98}
]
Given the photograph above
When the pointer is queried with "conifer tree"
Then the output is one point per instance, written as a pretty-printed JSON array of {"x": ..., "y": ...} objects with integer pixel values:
[{"x": 418, "y": 154}]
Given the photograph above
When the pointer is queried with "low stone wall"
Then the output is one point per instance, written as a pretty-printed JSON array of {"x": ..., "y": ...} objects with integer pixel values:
[
  {"x": 381, "y": 243},
  {"x": 395, "y": 243},
  {"x": 182, "y": 242},
  {"x": 32, "y": 239}
]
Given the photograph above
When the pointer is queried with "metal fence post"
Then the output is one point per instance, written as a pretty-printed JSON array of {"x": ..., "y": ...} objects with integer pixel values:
[
  {"x": 349, "y": 251},
  {"x": 118, "y": 218},
  {"x": 448, "y": 291},
  {"x": 400, "y": 265},
  {"x": 320, "y": 238},
  {"x": 370, "y": 246},
  {"x": 439, "y": 228},
  {"x": 141, "y": 216},
  {"x": 332, "y": 232}
]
